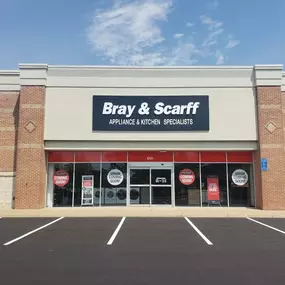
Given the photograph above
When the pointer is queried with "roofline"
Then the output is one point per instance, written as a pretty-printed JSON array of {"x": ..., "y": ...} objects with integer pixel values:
[
  {"x": 147, "y": 67},
  {"x": 9, "y": 72}
]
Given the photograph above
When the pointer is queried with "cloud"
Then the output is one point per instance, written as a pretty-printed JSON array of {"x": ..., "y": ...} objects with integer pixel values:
[
  {"x": 189, "y": 24},
  {"x": 232, "y": 43},
  {"x": 183, "y": 52},
  {"x": 213, "y": 5},
  {"x": 178, "y": 36},
  {"x": 206, "y": 20},
  {"x": 131, "y": 32},
  {"x": 220, "y": 58},
  {"x": 125, "y": 32},
  {"x": 214, "y": 31}
]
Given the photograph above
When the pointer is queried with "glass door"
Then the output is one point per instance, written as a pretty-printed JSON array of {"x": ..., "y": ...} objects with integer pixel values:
[
  {"x": 139, "y": 186},
  {"x": 150, "y": 185},
  {"x": 161, "y": 186}
]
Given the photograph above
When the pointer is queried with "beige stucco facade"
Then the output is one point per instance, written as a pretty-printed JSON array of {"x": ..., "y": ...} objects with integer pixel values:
[{"x": 231, "y": 95}]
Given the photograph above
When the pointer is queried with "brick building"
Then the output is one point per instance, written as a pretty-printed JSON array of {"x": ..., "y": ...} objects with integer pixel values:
[{"x": 171, "y": 136}]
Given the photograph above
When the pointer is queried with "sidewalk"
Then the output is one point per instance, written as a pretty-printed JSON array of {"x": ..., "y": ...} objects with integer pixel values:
[{"x": 143, "y": 212}]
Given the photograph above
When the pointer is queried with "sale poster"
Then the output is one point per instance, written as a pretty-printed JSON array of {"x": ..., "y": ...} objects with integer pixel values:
[
  {"x": 87, "y": 195},
  {"x": 213, "y": 189}
]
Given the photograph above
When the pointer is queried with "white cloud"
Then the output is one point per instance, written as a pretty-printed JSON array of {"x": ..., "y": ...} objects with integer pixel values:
[
  {"x": 124, "y": 32},
  {"x": 215, "y": 31},
  {"x": 178, "y": 36},
  {"x": 131, "y": 33},
  {"x": 183, "y": 52},
  {"x": 232, "y": 43},
  {"x": 220, "y": 58},
  {"x": 189, "y": 24},
  {"x": 206, "y": 20},
  {"x": 213, "y": 5}
]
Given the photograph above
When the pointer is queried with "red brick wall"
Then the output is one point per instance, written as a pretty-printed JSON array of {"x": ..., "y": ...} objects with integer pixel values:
[
  {"x": 271, "y": 143},
  {"x": 8, "y": 126},
  {"x": 283, "y": 113},
  {"x": 31, "y": 165}
]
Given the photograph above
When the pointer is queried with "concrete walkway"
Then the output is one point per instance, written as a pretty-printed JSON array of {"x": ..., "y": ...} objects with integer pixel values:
[{"x": 143, "y": 212}]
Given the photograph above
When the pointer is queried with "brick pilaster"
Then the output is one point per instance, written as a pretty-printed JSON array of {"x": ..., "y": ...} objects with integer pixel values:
[
  {"x": 271, "y": 146},
  {"x": 8, "y": 132},
  {"x": 8, "y": 129},
  {"x": 30, "y": 163}
]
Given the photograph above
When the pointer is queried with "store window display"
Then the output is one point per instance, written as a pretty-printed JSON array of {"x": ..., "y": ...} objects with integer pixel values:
[
  {"x": 114, "y": 184},
  {"x": 87, "y": 170},
  {"x": 61, "y": 184},
  {"x": 241, "y": 184},
  {"x": 214, "y": 184},
  {"x": 187, "y": 184}
]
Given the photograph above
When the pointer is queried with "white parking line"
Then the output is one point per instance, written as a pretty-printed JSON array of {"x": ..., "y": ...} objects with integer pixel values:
[
  {"x": 116, "y": 231},
  {"x": 199, "y": 232},
  {"x": 31, "y": 232},
  {"x": 265, "y": 225}
]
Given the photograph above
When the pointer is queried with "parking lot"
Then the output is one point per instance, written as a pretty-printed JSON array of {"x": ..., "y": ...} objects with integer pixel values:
[{"x": 142, "y": 251}]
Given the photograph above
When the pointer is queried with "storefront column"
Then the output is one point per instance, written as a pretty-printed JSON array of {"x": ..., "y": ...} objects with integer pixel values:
[
  {"x": 30, "y": 162},
  {"x": 271, "y": 194}
]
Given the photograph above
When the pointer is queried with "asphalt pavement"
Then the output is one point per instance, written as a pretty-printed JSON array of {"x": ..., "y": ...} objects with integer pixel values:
[{"x": 128, "y": 251}]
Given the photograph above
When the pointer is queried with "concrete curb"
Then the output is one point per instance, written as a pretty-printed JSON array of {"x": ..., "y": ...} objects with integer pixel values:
[{"x": 145, "y": 212}]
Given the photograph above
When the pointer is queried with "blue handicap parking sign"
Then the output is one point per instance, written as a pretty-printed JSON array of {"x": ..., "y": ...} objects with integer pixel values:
[{"x": 264, "y": 164}]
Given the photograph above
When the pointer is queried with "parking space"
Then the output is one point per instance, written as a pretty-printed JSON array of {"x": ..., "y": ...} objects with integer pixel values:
[
  {"x": 278, "y": 223},
  {"x": 240, "y": 235},
  {"x": 11, "y": 228},
  {"x": 143, "y": 251},
  {"x": 68, "y": 250},
  {"x": 147, "y": 235}
]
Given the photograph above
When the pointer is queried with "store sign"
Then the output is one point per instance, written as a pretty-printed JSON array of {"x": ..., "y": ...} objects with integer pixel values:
[
  {"x": 239, "y": 177},
  {"x": 115, "y": 177},
  {"x": 213, "y": 189},
  {"x": 162, "y": 180},
  {"x": 87, "y": 190},
  {"x": 151, "y": 113},
  {"x": 186, "y": 176},
  {"x": 60, "y": 178}
]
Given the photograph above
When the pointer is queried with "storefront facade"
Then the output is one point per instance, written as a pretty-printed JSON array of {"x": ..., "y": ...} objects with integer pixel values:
[{"x": 87, "y": 136}]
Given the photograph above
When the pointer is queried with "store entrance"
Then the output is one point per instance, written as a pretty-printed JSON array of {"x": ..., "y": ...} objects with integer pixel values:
[
  {"x": 161, "y": 186},
  {"x": 150, "y": 185}
]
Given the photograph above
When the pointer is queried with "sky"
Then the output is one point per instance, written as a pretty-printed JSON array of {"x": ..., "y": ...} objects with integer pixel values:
[{"x": 142, "y": 32}]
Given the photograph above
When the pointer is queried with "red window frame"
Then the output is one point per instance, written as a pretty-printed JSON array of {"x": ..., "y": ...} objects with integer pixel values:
[
  {"x": 88, "y": 156},
  {"x": 240, "y": 156},
  {"x": 213, "y": 156},
  {"x": 150, "y": 156},
  {"x": 60, "y": 156},
  {"x": 186, "y": 156},
  {"x": 114, "y": 156}
]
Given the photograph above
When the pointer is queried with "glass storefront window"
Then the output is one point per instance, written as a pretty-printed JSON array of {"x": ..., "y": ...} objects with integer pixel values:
[
  {"x": 214, "y": 178},
  {"x": 187, "y": 184},
  {"x": 61, "y": 184},
  {"x": 139, "y": 176},
  {"x": 149, "y": 183},
  {"x": 114, "y": 184},
  {"x": 241, "y": 184},
  {"x": 82, "y": 169}
]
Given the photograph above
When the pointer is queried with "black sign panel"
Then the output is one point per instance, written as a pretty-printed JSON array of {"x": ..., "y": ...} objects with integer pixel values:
[{"x": 151, "y": 113}]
